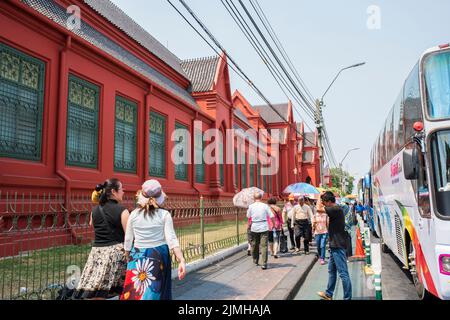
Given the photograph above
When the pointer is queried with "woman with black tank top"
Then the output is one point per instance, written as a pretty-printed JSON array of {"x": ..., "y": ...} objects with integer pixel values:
[{"x": 104, "y": 273}]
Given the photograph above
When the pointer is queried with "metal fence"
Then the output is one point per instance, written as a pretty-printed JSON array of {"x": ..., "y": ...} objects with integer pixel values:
[{"x": 44, "y": 245}]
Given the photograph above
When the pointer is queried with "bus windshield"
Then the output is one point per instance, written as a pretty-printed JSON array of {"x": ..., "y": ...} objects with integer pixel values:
[
  {"x": 441, "y": 162},
  {"x": 437, "y": 80}
]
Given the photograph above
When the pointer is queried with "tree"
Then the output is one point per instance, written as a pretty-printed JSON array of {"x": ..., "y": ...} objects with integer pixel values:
[{"x": 338, "y": 176}]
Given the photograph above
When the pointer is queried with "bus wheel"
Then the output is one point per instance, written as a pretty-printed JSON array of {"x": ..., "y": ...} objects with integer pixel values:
[{"x": 420, "y": 288}]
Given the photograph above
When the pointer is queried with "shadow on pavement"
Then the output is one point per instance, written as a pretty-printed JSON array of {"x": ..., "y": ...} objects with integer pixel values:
[{"x": 198, "y": 289}]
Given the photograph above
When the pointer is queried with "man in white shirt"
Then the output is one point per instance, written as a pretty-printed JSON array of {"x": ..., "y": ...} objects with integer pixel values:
[
  {"x": 301, "y": 217},
  {"x": 259, "y": 213},
  {"x": 287, "y": 218}
]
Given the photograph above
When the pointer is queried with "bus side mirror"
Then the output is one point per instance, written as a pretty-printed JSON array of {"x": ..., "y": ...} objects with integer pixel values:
[{"x": 411, "y": 164}]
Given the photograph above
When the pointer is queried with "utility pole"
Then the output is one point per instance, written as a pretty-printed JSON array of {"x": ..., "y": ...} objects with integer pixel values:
[{"x": 319, "y": 126}]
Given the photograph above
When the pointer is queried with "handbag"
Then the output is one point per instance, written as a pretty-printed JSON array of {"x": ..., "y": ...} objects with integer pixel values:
[{"x": 283, "y": 243}]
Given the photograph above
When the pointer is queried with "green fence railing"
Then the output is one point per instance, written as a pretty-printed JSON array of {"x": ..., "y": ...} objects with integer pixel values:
[{"x": 44, "y": 246}]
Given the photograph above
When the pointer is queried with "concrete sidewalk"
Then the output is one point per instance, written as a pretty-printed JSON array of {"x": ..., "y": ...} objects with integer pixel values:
[{"x": 237, "y": 278}]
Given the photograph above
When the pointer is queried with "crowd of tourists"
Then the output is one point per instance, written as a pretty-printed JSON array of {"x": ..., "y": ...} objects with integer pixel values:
[
  {"x": 130, "y": 257},
  {"x": 323, "y": 221}
]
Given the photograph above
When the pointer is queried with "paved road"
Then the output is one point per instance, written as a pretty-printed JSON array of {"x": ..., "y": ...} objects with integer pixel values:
[
  {"x": 318, "y": 277},
  {"x": 396, "y": 282},
  {"x": 237, "y": 278}
]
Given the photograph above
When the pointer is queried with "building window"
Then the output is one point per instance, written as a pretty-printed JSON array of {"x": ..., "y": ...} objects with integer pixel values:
[
  {"x": 21, "y": 104},
  {"x": 307, "y": 156},
  {"x": 221, "y": 165},
  {"x": 252, "y": 171},
  {"x": 82, "y": 123},
  {"x": 258, "y": 175},
  {"x": 264, "y": 183},
  {"x": 270, "y": 184},
  {"x": 157, "y": 157},
  {"x": 125, "y": 135},
  {"x": 236, "y": 168},
  {"x": 244, "y": 170},
  {"x": 181, "y": 152},
  {"x": 199, "y": 161}
]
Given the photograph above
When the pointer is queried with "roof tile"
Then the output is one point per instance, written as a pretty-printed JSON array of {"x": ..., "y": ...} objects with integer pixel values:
[
  {"x": 270, "y": 116},
  {"x": 121, "y": 20},
  {"x": 201, "y": 72}
]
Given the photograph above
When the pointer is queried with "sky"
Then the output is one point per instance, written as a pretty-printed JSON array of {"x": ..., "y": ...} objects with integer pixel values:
[{"x": 320, "y": 37}]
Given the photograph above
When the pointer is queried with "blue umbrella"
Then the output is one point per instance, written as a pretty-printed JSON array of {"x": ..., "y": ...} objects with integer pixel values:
[{"x": 301, "y": 188}]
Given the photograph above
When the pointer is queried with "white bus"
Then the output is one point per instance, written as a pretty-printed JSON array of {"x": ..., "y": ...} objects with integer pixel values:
[{"x": 410, "y": 168}]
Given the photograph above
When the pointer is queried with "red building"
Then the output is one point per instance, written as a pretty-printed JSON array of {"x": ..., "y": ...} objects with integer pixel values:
[{"x": 79, "y": 104}]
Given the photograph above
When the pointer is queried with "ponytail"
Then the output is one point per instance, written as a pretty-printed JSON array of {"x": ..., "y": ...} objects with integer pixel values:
[{"x": 103, "y": 191}]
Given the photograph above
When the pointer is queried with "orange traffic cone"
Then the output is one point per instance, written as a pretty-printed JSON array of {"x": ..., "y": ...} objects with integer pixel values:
[{"x": 359, "y": 254}]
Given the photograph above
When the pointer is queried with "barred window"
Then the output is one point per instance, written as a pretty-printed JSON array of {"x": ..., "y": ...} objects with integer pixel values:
[
  {"x": 252, "y": 171},
  {"x": 21, "y": 104},
  {"x": 221, "y": 165},
  {"x": 236, "y": 168},
  {"x": 157, "y": 157},
  {"x": 258, "y": 170},
  {"x": 125, "y": 135},
  {"x": 181, "y": 152},
  {"x": 82, "y": 123},
  {"x": 264, "y": 183},
  {"x": 244, "y": 170},
  {"x": 199, "y": 161},
  {"x": 270, "y": 185}
]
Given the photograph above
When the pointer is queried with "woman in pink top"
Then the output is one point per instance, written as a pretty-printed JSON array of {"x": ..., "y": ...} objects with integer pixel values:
[
  {"x": 275, "y": 230},
  {"x": 320, "y": 230}
]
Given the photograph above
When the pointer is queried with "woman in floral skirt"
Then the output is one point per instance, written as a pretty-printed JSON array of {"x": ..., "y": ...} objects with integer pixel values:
[
  {"x": 149, "y": 267},
  {"x": 104, "y": 272}
]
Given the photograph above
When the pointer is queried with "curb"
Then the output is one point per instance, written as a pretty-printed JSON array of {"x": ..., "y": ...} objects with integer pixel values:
[
  {"x": 291, "y": 283},
  {"x": 209, "y": 260}
]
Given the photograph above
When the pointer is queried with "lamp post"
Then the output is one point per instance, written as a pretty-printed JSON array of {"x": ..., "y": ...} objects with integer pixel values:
[
  {"x": 319, "y": 118},
  {"x": 340, "y": 167}
]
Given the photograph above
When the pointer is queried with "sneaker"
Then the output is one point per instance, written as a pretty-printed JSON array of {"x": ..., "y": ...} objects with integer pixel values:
[
  {"x": 324, "y": 296},
  {"x": 297, "y": 250},
  {"x": 264, "y": 266},
  {"x": 292, "y": 249},
  {"x": 322, "y": 262},
  {"x": 275, "y": 256},
  {"x": 306, "y": 252}
]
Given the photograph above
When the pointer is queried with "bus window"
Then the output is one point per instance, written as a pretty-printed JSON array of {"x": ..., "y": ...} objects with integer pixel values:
[
  {"x": 440, "y": 149},
  {"x": 389, "y": 137},
  {"x": 423, "y": 193},
  {"x": 399, "y": 139},
  {"x": 411, "y": 103},
  {"x": 437, "y": 80},
  {"x": 383, "y": 146}
]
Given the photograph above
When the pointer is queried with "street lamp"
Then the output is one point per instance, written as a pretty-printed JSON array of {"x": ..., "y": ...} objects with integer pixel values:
[
  {"x": 319, "y": 104},
  {"x": 349, "y": 67},
  {"x": 340, "y": 166}
]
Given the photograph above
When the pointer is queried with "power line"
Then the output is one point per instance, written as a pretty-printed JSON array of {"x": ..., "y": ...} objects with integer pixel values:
[
  {"x": 239, "y": 72},
  {"x": 275, "y": 55},
  {"x": 280, "y": 47},
  {"x": 246, "y": 30}
]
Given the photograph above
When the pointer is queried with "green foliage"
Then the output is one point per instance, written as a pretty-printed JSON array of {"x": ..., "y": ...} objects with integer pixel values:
[{"x": 337, "y": 177}]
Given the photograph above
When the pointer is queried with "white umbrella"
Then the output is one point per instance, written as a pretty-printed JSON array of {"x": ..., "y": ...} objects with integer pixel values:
[{"x": 245, "y": 197}]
